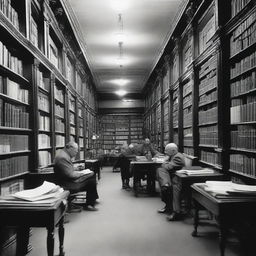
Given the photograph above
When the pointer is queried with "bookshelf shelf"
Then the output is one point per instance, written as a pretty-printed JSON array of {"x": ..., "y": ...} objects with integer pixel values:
[
  {"x": 13, "y": 176},
  {"x": 207, "y": 124},
  {"x": 15, "y": 153},
  {"x": 7, "y": 128},
  {"x": 242, "y": 174},
  {"x": 245, "y": 150},
  {"x": 15, "y": 76},
  {"x": 13, "y": 100}
]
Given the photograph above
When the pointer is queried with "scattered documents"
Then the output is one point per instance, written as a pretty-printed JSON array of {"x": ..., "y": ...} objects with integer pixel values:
[
  {"x": 229, "y": 188},
  {"x": 45, "y": 191},
  {"x": 197, "y": 170},
  {"x": 141, "y": 159},
  {"x": 86, "y": 171}
]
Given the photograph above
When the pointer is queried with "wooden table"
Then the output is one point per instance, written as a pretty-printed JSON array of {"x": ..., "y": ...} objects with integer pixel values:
[
  {"x": 36, "y": 215},
  {"x": 228, "y": 210},
  {"x": 94, "y": 165},
  {"x": 185, "y": 181},
  {"x": 147, "y": 167}
]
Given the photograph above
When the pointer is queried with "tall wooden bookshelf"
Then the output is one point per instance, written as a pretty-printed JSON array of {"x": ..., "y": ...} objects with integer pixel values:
[
  {"x": 42, "y": 102},
  {"x": 211, "y": 82}
]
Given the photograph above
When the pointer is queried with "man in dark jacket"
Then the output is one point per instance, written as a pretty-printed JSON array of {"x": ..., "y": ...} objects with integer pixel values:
[
  {"x": 174, "y": 161},
  {"x": 123, "y": 162},
  {"x": 71, "y": 178}
]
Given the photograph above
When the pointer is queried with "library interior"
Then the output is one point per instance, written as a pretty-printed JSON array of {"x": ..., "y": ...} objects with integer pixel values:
[{"x": 128, "y": 128}]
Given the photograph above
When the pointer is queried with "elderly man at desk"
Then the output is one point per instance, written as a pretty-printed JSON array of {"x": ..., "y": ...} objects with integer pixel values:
[
  {"x": 123, "y": 162},
  {"x": 72, "y": 178},
  {"x": 174, "y": 161}
]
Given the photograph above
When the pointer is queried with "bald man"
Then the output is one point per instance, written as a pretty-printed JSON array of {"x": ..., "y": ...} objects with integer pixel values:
[
  {"x": 71, "y": 178},
  {"x": 174, "y": 161}
]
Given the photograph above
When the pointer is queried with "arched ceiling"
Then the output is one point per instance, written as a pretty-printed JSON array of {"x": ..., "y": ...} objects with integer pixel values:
[{"x": 146, "y": 25}]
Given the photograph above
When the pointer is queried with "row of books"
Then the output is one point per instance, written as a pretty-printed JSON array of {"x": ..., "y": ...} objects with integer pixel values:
[
  {"x": 188, "y": 140},
  {"x": 13, "y": 90},
  {"x": 206, "y": 34},
  {"x": 208, "y": 135},
  {"x": 59, "y": 125},
  {"x": 165, "y": 81},
  {"x": 59, "y": 94},
  {"x": 187, "y": 101},
  {"x": 209, "y": 66},
  {"x": 60, "y": 140},
  {"x": 237, "y": 6},
  {"x": 10, "y": 61},
  {"x": 207, "y": 116},
  {"x": 10, "y": 187},
  {"x": 81, "y": 142},
  {"x": 187, "y": 53},
  {"x": 243, "y": 164},
  {"x": 81, "y": 131},
  {"x": 71, "y": 118},
  {"x": 34, "y": 32},
  {"x": 244, "y": 138},
  {"x": 44, "y": 158},
  {"x": 44, "y": 141},
  {"x": 244, "y": 35},
  {"x": 59, "y": 110},
  {"x": 243, "y": 113},
  {"x": 187, "y": 118},
  {"x": 13, "y": 165},
  {"x": 187, "y": 88},
  {"x": 12, "y": 143},
  {"x": 207, "y": 98},
  {"x": 243, "y": 85},
  {"x": 189, "y": 151},
  {"x": 72, "y": 104},
  {"x": 43, "y": 102},
  {"x": 13, "y": 116},
  {"x": 7, "y": 9},
  {"x": 243, "y": 65},
  {"x": 72, "y": 130},
  {"x": 44, "y": 123},
  {"x": 208, "y": 83},
  {"x": 209, "y": 157},
  {"x": 42, "y": 82}
]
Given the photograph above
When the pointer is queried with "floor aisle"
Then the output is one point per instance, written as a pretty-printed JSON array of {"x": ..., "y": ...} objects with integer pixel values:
[{"x": 129, "y": 226}]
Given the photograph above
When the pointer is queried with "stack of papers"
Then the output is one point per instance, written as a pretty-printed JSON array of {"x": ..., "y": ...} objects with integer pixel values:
[
  {"x": 141, "y": 159},
  {"x": 86, "y": 171},
  {"x": 45, "y": 191},
  {"x": 196, "y": 171},
  {"x": 229, "y": 188}
]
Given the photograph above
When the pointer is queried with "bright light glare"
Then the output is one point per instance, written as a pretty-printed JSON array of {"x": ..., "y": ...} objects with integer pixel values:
[
  {"x": 121, "y": 61},
  {"x": 120, "y": 37},
  {"x": 119, "y": 5},
  {"x": 121, "y": 92},
  {"x": 121, "y": 81}
]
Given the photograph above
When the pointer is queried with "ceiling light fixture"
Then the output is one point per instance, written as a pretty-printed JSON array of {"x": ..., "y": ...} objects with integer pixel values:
[
  {"x": 121, "y": 92},
  {"x": 119, "y": 5}
]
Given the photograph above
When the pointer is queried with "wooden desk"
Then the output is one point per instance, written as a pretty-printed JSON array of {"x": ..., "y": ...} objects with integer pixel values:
[
  {"x": 148, "y": 167},
  {"x": 228, "y": 210},
  {"x": 94, "y": 165},
  {"x": 185, "y": 181},
  {"x": 29, "y": 215}
]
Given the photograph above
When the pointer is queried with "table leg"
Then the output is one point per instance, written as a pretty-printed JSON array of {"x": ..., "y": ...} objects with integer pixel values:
[
  {"x": 196, "y": 219},
  {"x": 22, "y": 241},
  {"x": 50, "y": 241},
  {"x": 135, "y": 184},
  {"x": 222, "y": 236},
  {"x": 61, "y": 236}
]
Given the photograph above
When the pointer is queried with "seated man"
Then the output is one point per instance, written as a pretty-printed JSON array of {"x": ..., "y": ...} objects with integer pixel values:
[
  {"x": 123, "y": 162},
  {"x": 146, "y": 149},
  {"x": 174, "y": 162},
  {"x": 71, "y": 179}
]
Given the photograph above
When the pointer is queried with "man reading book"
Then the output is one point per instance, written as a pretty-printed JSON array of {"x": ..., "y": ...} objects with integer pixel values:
[{"x": 72, "y": 178}]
